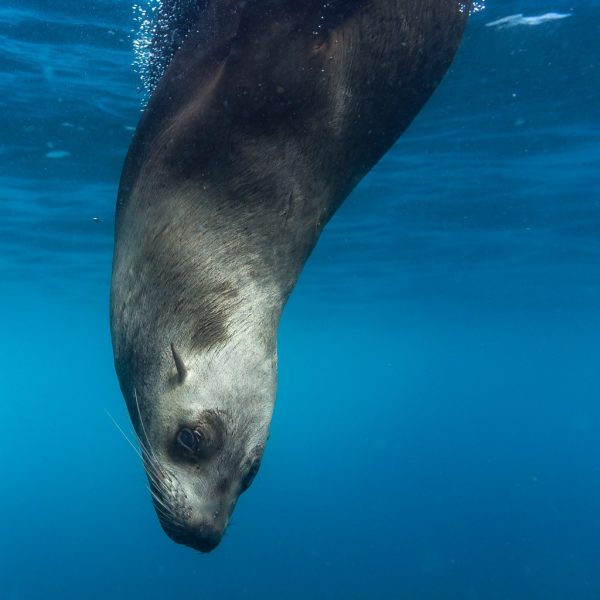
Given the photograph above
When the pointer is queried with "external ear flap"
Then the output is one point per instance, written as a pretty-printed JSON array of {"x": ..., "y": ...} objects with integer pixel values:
[{"x": 179, "y": 365}]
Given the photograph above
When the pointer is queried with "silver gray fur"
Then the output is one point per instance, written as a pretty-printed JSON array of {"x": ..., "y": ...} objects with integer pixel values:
[{"x": 265, "y": 120}]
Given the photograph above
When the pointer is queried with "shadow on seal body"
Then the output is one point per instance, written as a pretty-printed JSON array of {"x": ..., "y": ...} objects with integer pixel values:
[{"x": 267, "y": 116}]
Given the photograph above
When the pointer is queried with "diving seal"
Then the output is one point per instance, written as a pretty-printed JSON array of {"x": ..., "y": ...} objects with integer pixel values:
[{"x": 267, "y": 116}]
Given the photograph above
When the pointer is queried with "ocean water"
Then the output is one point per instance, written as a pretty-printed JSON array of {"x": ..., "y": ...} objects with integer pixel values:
[{"x": 437, "y": 426}]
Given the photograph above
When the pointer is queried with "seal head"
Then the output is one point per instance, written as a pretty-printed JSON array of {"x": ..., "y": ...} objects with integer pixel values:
[{"x": 200, "y": 457}]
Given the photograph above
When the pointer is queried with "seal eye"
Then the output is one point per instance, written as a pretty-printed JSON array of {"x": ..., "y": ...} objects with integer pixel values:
[
  {"x": 250, "y": 475},
  {"x": 194, "y": 443},
  {"x": 201, "y": 440},
  {"x": 187, "y": 440}
]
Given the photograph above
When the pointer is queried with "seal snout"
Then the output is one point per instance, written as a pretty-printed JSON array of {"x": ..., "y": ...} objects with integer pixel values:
[{"x": 204, "y": 538}]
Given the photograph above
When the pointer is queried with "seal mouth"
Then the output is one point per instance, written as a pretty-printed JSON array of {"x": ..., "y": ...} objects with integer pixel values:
[
  {"x": 176, "y": 520},
  {"x": 203, "y": 538}
]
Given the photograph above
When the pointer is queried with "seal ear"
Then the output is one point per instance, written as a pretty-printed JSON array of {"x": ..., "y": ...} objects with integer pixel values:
[{"x": 179, "y": 365}]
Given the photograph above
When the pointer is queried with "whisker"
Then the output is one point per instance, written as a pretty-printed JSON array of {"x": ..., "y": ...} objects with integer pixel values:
[
  {"x": 156, "y": 474},
  {"x": 159, "y": 474},
  {"x": 148, "y": 461},
  {"x": 123, "y": 433},
  {"x": 161, "y": 482},
  {"x": 147, "y": 458},
  {"x": 161, "y": 507},
  {"x": 137, "y": 404},
  {"x": 166, "y": 511},
  {"x": 162, "y": 515},
  {"x": 155, "y": 480},
  {"x": 158, "y": 499}
]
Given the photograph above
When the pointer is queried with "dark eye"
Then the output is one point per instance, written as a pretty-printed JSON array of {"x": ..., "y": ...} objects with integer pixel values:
[
  {"x": 187, "y": 440},
  {"x": 202, "y": 439},
  {"x": 250, "y": 475},
  {"x": 194, "y": 443}
]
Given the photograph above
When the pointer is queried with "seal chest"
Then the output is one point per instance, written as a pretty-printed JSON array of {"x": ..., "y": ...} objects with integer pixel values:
[{"x": 266, "y": 117}]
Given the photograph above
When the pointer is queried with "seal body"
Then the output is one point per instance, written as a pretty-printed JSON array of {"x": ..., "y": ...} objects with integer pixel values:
[{"x": 267, "y": 116}]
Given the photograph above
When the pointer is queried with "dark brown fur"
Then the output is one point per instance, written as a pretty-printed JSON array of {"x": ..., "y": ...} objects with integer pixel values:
[{"x": 255, "y": 110}]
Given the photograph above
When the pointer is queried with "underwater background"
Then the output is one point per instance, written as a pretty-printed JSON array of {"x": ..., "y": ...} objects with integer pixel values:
[{"x": 437, "y": 428}]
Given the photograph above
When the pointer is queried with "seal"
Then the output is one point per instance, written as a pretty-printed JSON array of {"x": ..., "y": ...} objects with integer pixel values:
[{"x": 266, "y": 117}]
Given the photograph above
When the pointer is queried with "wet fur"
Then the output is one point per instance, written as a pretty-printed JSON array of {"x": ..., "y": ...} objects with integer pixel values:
[{"x": 264, "y": 121}]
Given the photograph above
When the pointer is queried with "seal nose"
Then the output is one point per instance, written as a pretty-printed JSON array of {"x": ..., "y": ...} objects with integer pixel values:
[{"x": 203, "y": 538}]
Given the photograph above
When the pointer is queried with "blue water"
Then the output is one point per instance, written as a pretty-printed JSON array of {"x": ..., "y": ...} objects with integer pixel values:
[{"x": 437, "y": 428}]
